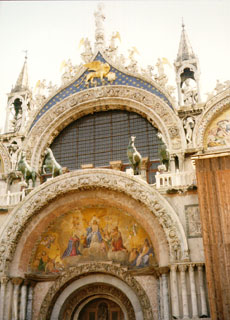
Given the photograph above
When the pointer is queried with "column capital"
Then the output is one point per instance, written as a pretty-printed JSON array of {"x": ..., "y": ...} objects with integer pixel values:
[
  {"x": 200, "y": 266},
  {"x": 4, "y": 280},
  {"x": 163, "y": 270},
  {"x": 17, "y": 280},
  {"x": 182, "y": 267},
  {"x": 191, "y": 266},
  {"x": 173, "y": 267}
]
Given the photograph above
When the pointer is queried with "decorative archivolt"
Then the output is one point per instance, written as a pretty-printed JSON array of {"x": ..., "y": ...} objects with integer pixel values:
[
  {"x": 213, "y": 108},
  {"x": 93, "y": 179},
  {"x": 99, "y": 99},
  {"x": 4, "y": 154},
  {"x": 109, "y": 274}
]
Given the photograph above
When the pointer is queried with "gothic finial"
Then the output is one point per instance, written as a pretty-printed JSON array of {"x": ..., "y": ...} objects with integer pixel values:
[
  {"x": 183, "y": 25},
  {"x": 185, "y": 51},
  {"x": 22, "y": 81},
  {"x": 26, "y": 52}
]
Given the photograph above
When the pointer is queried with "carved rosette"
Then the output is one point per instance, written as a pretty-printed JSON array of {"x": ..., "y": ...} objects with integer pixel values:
[
  {"x": 91, "y": 179},
  {"x": 213, "y": 108},
  {"x": 77, "y": 272},
  {"x": 104, "y": 98}
]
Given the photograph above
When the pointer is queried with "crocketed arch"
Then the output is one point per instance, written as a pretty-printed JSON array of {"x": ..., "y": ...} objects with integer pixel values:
[
  {"x": 92, "y": 180},
  {"x": 4, "y": 155},
  {"x": 144, "y": 103},
  {"x": 213, "y": 108}
]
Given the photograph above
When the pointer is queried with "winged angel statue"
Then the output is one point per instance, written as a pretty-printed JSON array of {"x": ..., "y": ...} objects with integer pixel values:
[{"x": 100, "y": 70}]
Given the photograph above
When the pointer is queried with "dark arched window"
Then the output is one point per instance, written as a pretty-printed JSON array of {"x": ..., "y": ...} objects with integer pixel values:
[{"x": 103, "y": 137}]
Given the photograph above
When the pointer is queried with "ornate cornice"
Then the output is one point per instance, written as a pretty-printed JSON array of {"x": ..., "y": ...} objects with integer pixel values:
[
  {"x": 92, "y": 179},
  {"x": 86, "y": 269}
]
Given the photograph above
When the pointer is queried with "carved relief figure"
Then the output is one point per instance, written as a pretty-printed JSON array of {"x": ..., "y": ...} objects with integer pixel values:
[
  {"x": 189, "y": 92},
  {"x": 193, "y": 221},
  {"x": 188, "y": 127}
]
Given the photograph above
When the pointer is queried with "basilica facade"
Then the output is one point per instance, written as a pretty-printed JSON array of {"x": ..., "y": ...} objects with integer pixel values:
[{"x": 114, "y": 193}]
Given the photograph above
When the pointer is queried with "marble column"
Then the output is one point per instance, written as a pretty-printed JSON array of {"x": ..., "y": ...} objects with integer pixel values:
[
  {"x": 193, "y": 291},
  {"x": 174, "y": 291},
  {"x": 165, "y": 314},
  {"x": 204, "y": 311},
  {"x": 172, "y": 163},
  {"x": 23, "y": 302},
  {"x": 16, "y": 282},
  {"x": 4, "y": 281},
  {"x": 182, "y": 269},
  {"x": 165, "y": 295},
  {"x": 30, "y": 300},
  {"x": 144, "y": 168}
]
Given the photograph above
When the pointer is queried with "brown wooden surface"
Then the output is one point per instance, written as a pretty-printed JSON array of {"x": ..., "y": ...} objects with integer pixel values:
[{"x": 213, "y": 180}]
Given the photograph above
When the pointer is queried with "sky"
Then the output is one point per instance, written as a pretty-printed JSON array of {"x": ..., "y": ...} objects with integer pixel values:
[{"x": 51, "y": 32}]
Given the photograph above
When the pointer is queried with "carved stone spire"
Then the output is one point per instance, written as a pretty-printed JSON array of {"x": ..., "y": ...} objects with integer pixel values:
[
  {"x": 22, "y": 82},
  {"x": 187, "y": 73},
  {"x": 99, "y": 31},
  {"x": 19, "y": 103},
  {"x": 185, "y": 51}
]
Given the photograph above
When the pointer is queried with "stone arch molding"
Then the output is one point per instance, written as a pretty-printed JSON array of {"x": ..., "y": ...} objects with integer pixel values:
[
  {"x": 92, "y": 179},
  {"x": 213, "y": 108},
  {"x": 5, "y": 158},
  {"x": 92, "y": 273},
  {"x": 92, "y": 100}
]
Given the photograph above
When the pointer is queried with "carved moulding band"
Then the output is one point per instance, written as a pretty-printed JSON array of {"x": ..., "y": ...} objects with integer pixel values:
[
  {"x": 105, "y": 98},
  {"x": 85, "y": 295},
  {"x": 216, "y": 105},
  {"x": 92, "y": 179},
  {"x": 5, "y": 158},
  {"x": 109, "y": 274}
]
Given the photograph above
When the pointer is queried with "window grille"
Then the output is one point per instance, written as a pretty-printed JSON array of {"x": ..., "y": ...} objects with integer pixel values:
[{"x": 103, "y": 137}]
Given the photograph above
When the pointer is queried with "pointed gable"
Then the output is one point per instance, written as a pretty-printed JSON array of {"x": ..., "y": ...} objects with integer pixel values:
[{"x": 117, "y": 78}]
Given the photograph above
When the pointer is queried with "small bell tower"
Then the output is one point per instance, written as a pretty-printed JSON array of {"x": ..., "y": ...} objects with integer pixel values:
[
  {"x": 187, "y": 72},
  {"x": 18, "y": 104}
]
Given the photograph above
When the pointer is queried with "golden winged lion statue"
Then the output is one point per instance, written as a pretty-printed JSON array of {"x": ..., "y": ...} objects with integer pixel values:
[{"x": 100, "y": 70}]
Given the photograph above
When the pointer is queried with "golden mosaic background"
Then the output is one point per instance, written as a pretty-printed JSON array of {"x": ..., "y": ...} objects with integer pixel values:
[
  {"x": 218, "y": 132},
  {"x": 92, "y": 234}
]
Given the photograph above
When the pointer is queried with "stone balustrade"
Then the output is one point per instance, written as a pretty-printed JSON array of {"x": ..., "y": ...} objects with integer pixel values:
[
  {"x": 177, "y": 179},
  {"x": 11, "y": 199}
]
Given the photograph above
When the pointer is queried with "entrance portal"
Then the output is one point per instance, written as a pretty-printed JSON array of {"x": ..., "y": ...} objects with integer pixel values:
[{"x": 101, "y": 309}]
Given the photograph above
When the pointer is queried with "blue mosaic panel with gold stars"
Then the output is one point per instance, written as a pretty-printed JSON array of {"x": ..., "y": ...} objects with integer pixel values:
[{"x": 80, "y": 85}]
